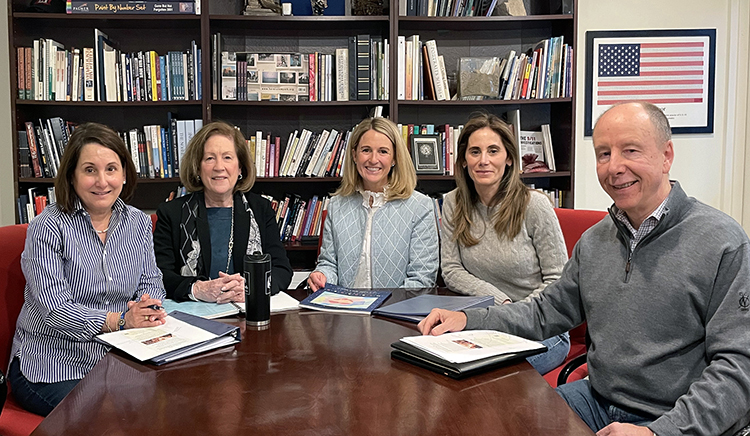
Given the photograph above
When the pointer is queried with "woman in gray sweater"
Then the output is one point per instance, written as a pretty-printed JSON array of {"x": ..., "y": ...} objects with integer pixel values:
[{"x": 499, "y": 237}]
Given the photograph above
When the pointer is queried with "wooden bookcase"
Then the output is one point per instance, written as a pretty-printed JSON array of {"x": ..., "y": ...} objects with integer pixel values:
[{"x": 456, "y": 37}]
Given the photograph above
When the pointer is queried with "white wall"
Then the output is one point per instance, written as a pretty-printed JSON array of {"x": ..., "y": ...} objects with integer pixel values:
[
  {"x": 7, "y": 196},
  {"x": 703, "y": 162}
]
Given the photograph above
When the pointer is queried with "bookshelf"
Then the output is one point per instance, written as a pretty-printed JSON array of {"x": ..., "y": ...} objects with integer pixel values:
[{"x": 455, "y": 37}]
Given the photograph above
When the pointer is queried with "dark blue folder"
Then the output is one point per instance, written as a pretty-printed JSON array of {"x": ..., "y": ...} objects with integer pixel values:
[
  {"x": 417, "y": 308},
  {"x": 220, "y": 329}
]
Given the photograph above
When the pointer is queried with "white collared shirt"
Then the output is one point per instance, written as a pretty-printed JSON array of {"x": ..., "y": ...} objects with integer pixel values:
[{"x": 372, "y": 201}]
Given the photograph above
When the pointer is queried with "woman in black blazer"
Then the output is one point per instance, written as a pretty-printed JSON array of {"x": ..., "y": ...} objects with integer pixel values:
[{"x": 201, "y": 239}]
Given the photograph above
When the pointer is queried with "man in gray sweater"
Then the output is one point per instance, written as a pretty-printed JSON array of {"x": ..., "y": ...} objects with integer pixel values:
[{"x": 663, "y": 284}]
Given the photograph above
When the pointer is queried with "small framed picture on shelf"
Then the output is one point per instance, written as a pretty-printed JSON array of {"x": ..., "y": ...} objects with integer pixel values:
[{"x": 427, "y": 154}]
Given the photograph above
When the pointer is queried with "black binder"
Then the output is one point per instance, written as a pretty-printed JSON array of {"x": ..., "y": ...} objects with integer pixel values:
[{"x": 415, "y": 356}]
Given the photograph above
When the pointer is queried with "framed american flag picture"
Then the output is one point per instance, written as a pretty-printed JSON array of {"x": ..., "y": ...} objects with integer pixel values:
[{"x": 673, "y": 69}]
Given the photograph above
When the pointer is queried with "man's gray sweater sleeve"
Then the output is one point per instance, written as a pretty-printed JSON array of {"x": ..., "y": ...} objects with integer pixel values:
[{"x": 556, "y": 310}]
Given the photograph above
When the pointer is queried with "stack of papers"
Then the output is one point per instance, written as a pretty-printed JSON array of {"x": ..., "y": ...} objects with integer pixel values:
[{"x": 279, "y": 303}]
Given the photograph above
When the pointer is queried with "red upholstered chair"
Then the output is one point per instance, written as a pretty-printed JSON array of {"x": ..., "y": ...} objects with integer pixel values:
[
  {"x": 573, "y": 223},
  {"x": 14, "y": 420},
  {"x": 153, "y": 221}
]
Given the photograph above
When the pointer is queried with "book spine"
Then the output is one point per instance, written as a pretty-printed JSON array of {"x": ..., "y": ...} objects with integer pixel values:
[
  {"x": 131, "y": 7},
  {"x": 342, "y": 74},
  {"x": 29, "y": 73},
  {"x": 21, "y": 72},
  {"x": 363, "y": 67},
  {"x": 33, "y": 149}
]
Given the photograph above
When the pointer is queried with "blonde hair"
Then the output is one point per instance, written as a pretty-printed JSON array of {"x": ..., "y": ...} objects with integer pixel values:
[
  {"x": 190, "y": 166},
  {"x": 512, "y": 196},
  {"x": 402, "y": 179}
]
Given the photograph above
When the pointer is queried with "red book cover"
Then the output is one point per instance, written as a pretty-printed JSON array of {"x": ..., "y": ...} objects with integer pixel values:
[
  {"x": 311, "y": 67},
  {"x": 40, "y": 202}
]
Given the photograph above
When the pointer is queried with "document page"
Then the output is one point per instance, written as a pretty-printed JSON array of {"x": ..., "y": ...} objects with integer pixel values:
[
  {"x": 467, "y": 346},
  {"x": 147, "y": 343}
]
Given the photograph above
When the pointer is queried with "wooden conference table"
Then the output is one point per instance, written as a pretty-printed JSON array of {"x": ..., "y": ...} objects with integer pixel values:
[{"x": 310, "y": 373}]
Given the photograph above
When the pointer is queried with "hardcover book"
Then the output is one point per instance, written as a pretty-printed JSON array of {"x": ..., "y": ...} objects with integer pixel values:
[{"x": 333, "y": 298}]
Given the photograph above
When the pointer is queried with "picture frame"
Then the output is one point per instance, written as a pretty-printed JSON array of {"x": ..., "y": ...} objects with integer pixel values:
[
  {"x": 427, "y": 154},
  {"x": 673, "y": 69}
]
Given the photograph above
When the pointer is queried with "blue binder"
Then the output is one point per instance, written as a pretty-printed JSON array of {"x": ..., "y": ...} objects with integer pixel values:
[{"x": 417, "y": 308}]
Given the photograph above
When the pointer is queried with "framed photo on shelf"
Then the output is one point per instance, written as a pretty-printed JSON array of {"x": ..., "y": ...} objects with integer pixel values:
[
  {"x": 673, "y": 69},
  {"x": 427, "y": 154}
]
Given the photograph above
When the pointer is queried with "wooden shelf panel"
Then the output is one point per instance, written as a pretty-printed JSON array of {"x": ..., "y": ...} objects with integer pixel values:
[
  {"x": 301, "y": 103},
  {"x": 493, "y": 102},
  {"x": 118, "y": 104}
]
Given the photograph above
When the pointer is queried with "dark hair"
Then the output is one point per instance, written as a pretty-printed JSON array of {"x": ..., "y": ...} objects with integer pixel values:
[
  {"x": 190, "y": 166},
  {"x": 91, "y": 133},
  {"x": 512, "y": 195}
]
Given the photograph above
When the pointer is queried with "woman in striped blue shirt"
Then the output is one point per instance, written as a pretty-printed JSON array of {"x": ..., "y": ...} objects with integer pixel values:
[{"x": 90, "y": 268}]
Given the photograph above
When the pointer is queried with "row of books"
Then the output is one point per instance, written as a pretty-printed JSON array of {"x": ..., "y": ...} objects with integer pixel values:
[
  {"x": 447, "y": 139},
  {"x": 356, "y": 72},
  {"x": 48, "y": 71},
  {"x": 556, "y": 196},
  {"x": 157, "y": 150},
  {"x": 33, "y": 202},
  {"x": 299, "y": 220},
  {"x": 544, "y": 71},
  {"x": 305, "y": 154},
  {"x": 133, "y": 7},
  {"x": 421, "y": 70},
  {"x": 447, "y": 8},
  {"x": 534, "y": 147},
  {"x": 41, "y": 146}
]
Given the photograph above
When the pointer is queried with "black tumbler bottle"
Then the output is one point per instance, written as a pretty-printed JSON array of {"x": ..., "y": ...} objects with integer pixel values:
[{"x": 258, "y": 289}]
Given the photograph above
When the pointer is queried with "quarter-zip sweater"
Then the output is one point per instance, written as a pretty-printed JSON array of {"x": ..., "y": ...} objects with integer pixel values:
[{"x": 669, "y": 322}]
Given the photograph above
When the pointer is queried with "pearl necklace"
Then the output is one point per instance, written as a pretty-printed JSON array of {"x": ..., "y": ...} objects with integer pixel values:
[
  {"x": 102, "y": 231},
  {"x": 231, "y": 240}
]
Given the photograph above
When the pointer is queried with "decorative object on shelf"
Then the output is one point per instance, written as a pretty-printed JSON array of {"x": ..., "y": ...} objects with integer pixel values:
[
  {"x": 262, "y": 7},
  {"x": 479, "y": 77},
  {"x": 286, "y": 9},
  {"x": 673, "y": 69},
  {"x": 318, "y": 6},
  {"x": 369, "y": 7},
  {"x": 514, "y": 8},
  {"x": 426, "y": 154}
]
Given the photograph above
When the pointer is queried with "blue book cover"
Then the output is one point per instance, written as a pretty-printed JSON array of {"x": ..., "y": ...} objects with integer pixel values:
[
  {"x": 417, "y": 308},
  {"x": 334, "y": 298},
  {"x": 163, "y": 78}
]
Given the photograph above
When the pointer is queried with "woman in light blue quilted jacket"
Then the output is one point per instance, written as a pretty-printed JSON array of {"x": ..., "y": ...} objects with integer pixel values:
[{"x": 379, "y": 232}]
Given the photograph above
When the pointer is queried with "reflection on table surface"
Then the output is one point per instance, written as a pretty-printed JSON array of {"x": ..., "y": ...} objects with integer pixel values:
[{"x": 309, "y": 373}]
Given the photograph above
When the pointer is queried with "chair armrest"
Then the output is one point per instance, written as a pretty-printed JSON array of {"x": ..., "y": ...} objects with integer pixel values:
[{"x": 568, "y": 369}]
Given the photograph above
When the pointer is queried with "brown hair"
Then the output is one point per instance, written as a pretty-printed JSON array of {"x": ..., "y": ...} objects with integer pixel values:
[
  {"x": 91, "y": 133},
  {"x": 190, "y": 166},
  {"x": 402, "y": 179},
  {"x": 512, "y": 196}
]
